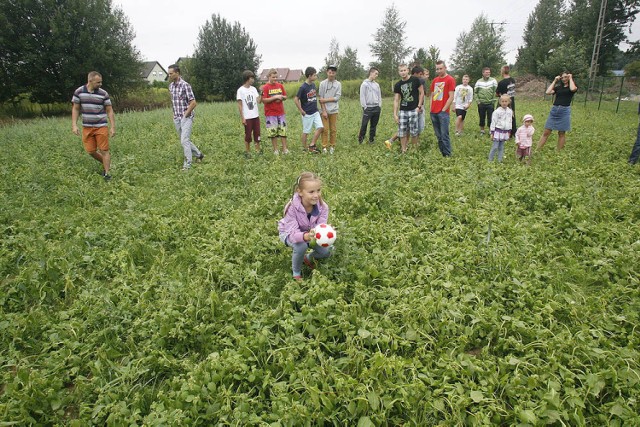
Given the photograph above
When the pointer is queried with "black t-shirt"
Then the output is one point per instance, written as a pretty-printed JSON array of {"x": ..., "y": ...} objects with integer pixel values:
[
  {"x": 409, "y": 93},
  {"x": 563, "y": 95},
  {"x": 507, "y": 86}
]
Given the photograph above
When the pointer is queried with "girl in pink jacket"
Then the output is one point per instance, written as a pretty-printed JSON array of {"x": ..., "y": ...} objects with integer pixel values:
[
  {"x": 524, "y": 138},
  {"x": 302, "y": 213}
]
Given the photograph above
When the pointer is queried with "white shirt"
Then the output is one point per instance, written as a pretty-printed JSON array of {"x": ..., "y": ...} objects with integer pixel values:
[{"x": 249, "y": 98}]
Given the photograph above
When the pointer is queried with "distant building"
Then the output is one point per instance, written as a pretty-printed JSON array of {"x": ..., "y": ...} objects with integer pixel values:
[
  {"x": 153, "y": 72},
  {"x": 284, "y": 75}
]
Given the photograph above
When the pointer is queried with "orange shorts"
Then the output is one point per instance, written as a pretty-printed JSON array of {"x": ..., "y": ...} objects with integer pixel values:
[{"x": 93, "y": 138}]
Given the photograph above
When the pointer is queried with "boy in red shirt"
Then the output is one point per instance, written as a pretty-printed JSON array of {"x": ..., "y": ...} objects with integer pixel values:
[
  {"x": 442, "y": 90},
  {"x": 273, "y": 96}
]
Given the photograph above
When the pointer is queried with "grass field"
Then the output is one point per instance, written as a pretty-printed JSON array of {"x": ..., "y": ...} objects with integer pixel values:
[{"x": 460, "y": 292}]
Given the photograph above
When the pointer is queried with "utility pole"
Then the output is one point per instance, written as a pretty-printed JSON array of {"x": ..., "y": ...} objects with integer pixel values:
[{"x": 593, "y": 70}]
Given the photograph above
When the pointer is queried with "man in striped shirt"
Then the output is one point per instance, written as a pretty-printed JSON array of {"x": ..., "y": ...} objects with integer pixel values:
[
  {"x": 184, "y": 102},
  {"x": 95, "y": 105}
]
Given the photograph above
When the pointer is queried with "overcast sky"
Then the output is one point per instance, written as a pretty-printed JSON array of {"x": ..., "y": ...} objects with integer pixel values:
[{"x": 296, "y": 34}]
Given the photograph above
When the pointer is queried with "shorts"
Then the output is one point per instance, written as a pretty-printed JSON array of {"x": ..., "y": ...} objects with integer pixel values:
[
  {"x": 252, "y": 126},
  {"x": 95, "y": 138},
  {"x": 523, "y": 152},
  {"x": 461, "y": 112},
  {"x": 407, "y": 121},
  {"x": 311, "y": 120},
  {"x": 276, "y": 126}
]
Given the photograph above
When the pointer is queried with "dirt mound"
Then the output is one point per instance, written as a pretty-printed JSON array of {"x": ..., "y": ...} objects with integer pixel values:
[{"x": 530, "y": 86}]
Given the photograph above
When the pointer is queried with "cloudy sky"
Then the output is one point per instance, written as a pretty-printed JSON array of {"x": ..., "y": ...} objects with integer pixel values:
[{"x": 297, "y": 34}]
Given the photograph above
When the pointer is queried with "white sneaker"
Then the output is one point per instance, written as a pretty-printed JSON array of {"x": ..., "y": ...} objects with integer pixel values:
[
  {"x": 331, "y": 150},
  {"x": 276, "y": 152},
  {"x": 324, "y": 151},
  {"x": 285, "y": 151}
]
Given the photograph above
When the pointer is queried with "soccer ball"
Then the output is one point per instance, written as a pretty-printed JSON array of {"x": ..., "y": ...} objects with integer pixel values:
[{"x": 325, "y": 235}]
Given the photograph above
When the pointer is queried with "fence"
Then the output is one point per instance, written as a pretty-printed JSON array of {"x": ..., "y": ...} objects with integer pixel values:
[{"x": 620, "y": 92}]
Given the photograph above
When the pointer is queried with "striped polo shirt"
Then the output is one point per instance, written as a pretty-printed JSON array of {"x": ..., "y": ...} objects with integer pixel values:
[{"x": 92, "y": 106}]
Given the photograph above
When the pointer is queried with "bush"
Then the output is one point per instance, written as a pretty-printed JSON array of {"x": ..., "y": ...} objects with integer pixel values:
[{"x": 148, "y": 98}]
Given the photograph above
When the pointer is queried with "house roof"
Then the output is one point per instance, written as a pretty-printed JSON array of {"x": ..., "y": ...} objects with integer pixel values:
[
  {"x": 147, "y": 67},
  {"x": 284, "y": 75}
]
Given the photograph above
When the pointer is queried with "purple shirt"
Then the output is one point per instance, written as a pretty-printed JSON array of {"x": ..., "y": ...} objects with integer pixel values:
[
  {"x": 181, "y": 96},
  {"x": 296, "y": 222}
]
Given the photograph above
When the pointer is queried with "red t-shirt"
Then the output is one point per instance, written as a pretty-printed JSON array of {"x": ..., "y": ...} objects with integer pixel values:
[
  {"x": 275, "y": 108},
  {"x": 440, "y": 88}
]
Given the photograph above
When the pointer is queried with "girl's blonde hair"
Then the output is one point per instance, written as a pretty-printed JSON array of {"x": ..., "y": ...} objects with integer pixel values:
[
  {"x": 507, "y": 97},
  {"x": 303, "y": 179}
]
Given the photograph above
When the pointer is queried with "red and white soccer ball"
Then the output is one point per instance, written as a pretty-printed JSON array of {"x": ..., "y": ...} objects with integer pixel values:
[{"x": 325, "y": 235}]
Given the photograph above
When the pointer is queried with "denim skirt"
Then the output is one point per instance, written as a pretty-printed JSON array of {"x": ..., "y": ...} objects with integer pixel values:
[{"x": 559, "y": 118}]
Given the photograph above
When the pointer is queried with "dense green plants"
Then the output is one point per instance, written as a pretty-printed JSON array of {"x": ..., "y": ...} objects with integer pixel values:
[{"x": 460, "y": 292}]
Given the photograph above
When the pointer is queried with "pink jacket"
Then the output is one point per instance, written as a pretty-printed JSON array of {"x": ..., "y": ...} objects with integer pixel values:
[
  {"x": 295, "y": 222},
  {"x": 524, "y": 136}
]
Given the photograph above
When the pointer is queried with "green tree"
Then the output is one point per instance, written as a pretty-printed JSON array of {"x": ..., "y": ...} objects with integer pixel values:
[
  {"x": 47, "y": 47},
  {"x": 581, "y": 22},
  {"x": 632, "y": 69},
  {"x": 482, "y": 46},
  {"x": 223, "y": 52},
  {"x": 420, "y": 57},
  {"x": 567, "y": 57},
  {"x": 542, "y": 33},
  {"x": 434, "y": 56},
  {"x": 427, "y": 58},
  {"x": 389, "y": 44},
  {"x": 350, "y": 68},
  {"x": 333, "y": 57}
]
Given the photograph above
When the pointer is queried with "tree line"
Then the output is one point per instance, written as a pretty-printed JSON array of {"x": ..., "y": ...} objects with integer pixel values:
[{"x": 47, "y": 46}]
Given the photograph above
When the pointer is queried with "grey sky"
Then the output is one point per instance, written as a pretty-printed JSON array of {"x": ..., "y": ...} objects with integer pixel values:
[{"x": 297, "y": 34}]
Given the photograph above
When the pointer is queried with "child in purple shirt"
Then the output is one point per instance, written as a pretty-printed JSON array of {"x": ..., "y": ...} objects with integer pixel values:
[{"x": 302, "y": 213}]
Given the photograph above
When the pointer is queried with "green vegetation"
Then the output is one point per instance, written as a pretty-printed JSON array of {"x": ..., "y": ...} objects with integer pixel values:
[{"x": 460, "y": 293}]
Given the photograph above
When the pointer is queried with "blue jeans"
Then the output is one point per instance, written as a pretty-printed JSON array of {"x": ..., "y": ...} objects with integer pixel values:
[
  {"x": 635, "y": 152},
  {"x": 299, "y": 251},
  {"x": 183, "y": 127},
  {"x": 440, "y": 123},
  {"x": 498, "y": 146}
]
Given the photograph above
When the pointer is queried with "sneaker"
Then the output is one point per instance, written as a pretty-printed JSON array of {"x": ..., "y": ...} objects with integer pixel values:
[
  {"x": 106, "y": 177},
  {"x": 458, "y": 133},
  {"x": 186, "y": 166},
  {"x": 297, "y": 278},
  {"x": 481, "y": 132},
  {"x": 200, "y": 158},
  {"x": 387, "y": 144},
  {"x": 276, "y": 153},
  {"x": 331, "y": 150},
  {"x": 308, "y": 262},
  {"x": 285, "y": 152},
  {"x": 324, "y": 151},
  {"x": 313, "y": 149}
]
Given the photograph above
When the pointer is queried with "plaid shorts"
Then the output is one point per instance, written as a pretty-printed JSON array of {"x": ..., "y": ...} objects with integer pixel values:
[
  {"x": 276, "y": 126},
  {"x": 408, "y": 121}
]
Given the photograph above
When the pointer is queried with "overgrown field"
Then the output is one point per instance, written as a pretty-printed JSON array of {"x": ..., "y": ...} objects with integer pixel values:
[{"x": 460, "y": 292}]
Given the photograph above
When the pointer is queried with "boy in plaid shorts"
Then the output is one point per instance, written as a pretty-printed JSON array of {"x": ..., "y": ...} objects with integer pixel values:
[
  {"x": 408, "y": 100},
  {"x": 273, "y": 96}
]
